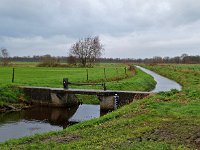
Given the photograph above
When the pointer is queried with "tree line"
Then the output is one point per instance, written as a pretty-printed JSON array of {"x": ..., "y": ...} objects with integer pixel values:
[
  {"x": 87, "y": 51},
  {"x": 183, "y": 59}
]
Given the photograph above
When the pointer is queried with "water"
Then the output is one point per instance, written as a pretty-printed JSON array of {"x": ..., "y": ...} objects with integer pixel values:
[
  {"x": 43, "y": 119},
  {"x": 163, "y": 84},
  {"x": 85, "y": 112}
]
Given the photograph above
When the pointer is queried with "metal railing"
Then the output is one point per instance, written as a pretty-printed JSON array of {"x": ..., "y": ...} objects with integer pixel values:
[{"x": 66, "y": 84}]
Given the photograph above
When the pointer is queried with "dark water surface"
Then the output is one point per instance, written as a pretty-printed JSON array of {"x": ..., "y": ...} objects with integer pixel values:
[{"x": 42, "y": 119}]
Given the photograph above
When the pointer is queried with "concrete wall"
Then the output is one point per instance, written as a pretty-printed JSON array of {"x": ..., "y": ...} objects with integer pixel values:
[
  {"x": 47, "y": 97},
  {"x": 108, "y": 102}
]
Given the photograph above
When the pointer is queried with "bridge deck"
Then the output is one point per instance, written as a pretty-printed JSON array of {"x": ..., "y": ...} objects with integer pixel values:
[{"x": 86, "y": 91}]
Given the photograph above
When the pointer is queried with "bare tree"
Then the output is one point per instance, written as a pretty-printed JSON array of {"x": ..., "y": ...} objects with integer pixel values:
[
  {"x": 5, "y": 57},
  {"x": 157, "y": 59},
  {"x": 87, "y": 50}
]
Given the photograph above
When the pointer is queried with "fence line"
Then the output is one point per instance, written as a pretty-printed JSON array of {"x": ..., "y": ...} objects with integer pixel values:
[{"x": 26, "y": 76}]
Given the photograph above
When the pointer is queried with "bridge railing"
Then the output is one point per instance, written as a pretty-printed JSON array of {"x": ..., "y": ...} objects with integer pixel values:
[{"x": 66, "y": 84}]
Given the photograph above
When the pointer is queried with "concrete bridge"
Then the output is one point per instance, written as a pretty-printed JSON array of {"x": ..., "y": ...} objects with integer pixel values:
[{"x": 61, "y": 97}]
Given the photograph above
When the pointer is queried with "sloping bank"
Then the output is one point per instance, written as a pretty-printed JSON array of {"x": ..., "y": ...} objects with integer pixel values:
[
  {"x": 94, "y": 133},
  {"x": 11, "y": 99}
]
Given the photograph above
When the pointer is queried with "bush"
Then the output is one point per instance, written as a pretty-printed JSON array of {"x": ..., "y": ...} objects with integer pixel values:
[{"x": 48, "y": 61}]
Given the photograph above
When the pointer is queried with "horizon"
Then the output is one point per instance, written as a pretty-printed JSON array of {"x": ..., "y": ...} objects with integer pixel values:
[{"x": 108, "y": 57}]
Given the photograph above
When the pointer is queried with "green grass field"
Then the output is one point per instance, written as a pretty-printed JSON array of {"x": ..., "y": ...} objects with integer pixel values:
[
  {"x": 115, "y": 78},
  {"x": 52, "y": 77},
  {"x": 168, "y": 120}
]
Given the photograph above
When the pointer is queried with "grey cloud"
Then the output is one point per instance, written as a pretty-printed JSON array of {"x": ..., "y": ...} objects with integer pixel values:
[
  {"x": 57, "y": 45},
  {"x": 136, "y": 27}
]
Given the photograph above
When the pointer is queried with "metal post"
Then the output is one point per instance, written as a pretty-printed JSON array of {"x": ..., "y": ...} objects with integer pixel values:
[
  {"x": 65, "y": 83},
  {"x": 116, "y": 101}
]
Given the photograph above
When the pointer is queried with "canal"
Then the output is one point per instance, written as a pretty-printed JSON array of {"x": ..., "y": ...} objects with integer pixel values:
[{"x": 163, "y": 84}]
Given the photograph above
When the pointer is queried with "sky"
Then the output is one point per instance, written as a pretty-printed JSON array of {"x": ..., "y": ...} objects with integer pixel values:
[{"x": 126, "y": 28}]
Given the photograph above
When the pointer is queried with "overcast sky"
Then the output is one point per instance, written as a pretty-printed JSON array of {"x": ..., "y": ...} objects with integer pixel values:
[{"x": 127, "y": 28}]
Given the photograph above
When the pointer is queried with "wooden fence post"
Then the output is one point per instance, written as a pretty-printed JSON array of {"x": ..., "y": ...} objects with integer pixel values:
[
  {"x": 105, "y": 73},
  {"x": 125, "y": 70},
  {"x": 117, "y": 72},
  {"x": 13, "y": 75},
  {"x": 87, "y": 74}
]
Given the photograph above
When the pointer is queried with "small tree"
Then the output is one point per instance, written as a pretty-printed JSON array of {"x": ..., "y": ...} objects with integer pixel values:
[
  {"x": 87, "y": 50},
  {"x": 5, "y": 57}
]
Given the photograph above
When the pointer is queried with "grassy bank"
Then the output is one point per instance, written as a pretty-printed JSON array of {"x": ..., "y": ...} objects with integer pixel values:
[
  {"x": 168, "y": 120},
  {"x": 10, "y": 96},
  {"x": 186, "y": 75}
]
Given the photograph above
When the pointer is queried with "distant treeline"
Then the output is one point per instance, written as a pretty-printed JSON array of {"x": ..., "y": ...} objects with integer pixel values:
[{"x": 183, "y": 59}]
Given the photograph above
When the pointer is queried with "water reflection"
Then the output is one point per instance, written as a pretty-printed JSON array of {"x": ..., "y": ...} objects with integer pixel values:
[
  {"x": 84, "y": 113},
  {"x": 42, "y": 119},
  {"x": 53, "y": 116}
]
